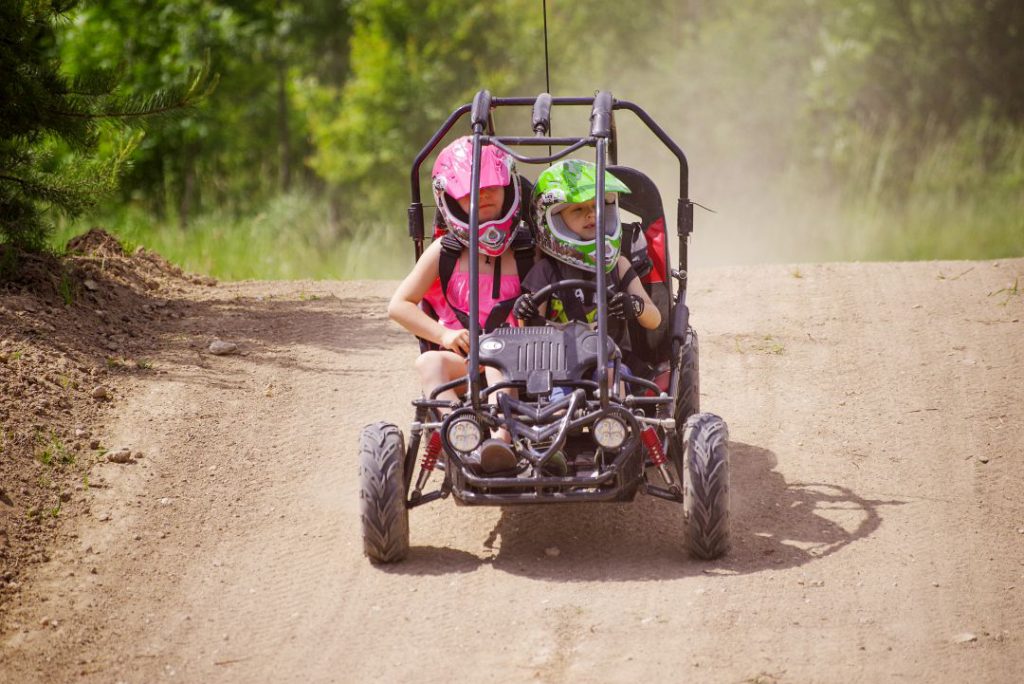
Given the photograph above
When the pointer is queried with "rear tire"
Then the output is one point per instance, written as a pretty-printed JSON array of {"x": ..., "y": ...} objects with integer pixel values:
[
  {"x": 382, "y": 493},
  {"x": 705, "y": 467},
  {"x": 688, "y": 397}
]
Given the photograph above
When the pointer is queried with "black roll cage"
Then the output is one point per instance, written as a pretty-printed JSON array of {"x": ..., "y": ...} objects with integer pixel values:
[{"x": 603, "y": 137}]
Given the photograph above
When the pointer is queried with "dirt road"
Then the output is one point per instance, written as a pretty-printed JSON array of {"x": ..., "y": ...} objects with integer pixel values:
[{"x": 877, "y": 424}]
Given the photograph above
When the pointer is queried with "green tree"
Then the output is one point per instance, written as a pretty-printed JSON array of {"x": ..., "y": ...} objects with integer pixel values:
[
  {"x": 413, "y": 62},
  {"x": 51, "y": 123},
  {"x": 245, "y": 144},
  {"x": 913, "y": 74}
]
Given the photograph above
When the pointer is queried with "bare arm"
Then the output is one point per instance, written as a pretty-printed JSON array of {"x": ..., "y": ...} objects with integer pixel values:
[
  {"x": 404, "y": 306},
  {"x": 650, "y": 318}
]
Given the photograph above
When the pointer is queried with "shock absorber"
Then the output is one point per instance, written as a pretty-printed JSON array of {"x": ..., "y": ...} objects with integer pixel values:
[
  {"x": 653, "y": 444},
  {"x": 428, "y": 461}
]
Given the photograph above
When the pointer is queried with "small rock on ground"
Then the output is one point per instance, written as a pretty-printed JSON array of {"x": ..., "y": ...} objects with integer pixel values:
[
  {"x": 220, "y": 348},
  {"x": 122, "y": 455},
  {"x": 100, "y": 392}
]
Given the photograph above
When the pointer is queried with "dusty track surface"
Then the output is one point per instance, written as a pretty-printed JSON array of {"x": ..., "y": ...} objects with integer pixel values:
[{"x": 877, "y": 431}]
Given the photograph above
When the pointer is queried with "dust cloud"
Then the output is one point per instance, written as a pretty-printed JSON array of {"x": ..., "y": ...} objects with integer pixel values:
[{"x": 737, "y": 121}]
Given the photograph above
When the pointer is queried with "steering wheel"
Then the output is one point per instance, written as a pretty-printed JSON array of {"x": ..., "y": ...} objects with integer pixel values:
[{"x": 573, "y": 283}]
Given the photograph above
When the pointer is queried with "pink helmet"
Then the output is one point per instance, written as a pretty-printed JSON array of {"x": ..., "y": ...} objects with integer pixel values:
[{"x": 451, "y": 181}]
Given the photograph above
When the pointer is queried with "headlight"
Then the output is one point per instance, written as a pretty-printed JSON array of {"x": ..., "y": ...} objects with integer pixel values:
[
  {"x": 464, "y": 434},
  {"x": 610, "y": 432}
]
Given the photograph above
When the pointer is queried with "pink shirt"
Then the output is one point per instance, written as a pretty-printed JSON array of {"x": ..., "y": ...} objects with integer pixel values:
[{"x": 458, "y": 294}]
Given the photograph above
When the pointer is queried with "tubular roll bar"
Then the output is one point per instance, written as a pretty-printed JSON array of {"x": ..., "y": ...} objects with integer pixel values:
[{"x": 603, "y": 137}]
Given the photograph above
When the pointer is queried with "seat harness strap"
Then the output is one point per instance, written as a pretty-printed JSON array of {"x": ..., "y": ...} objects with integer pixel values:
[{"x": 451, "y": 250}]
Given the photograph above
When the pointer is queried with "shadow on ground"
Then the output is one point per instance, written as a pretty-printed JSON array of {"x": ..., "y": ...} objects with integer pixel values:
[{"x": 776, "y": 524}]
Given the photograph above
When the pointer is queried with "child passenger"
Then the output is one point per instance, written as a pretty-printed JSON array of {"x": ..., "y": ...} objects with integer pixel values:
[
  {"x": 565, "y": 213},
  {"x": 498, "y": 210}
]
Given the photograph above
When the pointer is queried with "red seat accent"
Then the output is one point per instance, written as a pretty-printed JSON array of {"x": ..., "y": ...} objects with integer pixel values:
[{"x": 655, "y": 234}]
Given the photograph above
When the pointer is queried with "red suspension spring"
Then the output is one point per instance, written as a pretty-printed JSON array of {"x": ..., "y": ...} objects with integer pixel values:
[
  {"x": 653, "y": 444},
  {"x": 432, "y": 451}
]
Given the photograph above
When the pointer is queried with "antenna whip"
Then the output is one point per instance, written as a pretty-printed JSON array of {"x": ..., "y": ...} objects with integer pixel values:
[{"x": 547, "y": 71}]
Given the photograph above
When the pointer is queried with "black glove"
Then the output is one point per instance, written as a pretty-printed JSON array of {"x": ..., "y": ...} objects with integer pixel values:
[
  {"x": 525, "y": 308},
  {"x": 625, "y": 306}
]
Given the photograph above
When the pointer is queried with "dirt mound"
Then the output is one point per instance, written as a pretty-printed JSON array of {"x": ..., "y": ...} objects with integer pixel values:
[
  {"x": 71, "y": 328},
  {"x": 95, "y": 242}
]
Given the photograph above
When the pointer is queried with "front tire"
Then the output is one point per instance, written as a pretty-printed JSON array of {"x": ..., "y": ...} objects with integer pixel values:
[
  {"x": 705, "y": 467},
  {"x": 382, "y": 508}
]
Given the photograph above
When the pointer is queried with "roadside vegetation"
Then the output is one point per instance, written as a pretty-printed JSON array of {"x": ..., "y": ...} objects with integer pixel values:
[
  {"x": 289, "y": 238},
  {"x": 830, "y": 130}
]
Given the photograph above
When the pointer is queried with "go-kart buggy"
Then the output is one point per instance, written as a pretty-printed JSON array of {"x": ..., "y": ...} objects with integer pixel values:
[{"x": 618, "y": 432}]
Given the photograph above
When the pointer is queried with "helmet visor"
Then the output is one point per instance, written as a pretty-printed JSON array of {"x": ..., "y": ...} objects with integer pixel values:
[
  {"x": 563, "y": 232},
  {"x": 569, "y": 247}
]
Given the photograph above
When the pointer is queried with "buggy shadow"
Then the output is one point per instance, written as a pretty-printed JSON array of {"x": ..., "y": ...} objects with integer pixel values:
[{"x": 649, "y": 438}]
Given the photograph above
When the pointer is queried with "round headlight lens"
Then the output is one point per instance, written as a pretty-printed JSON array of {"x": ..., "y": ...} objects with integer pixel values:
[
  {"x": 464, "y": 434},
  {"x": 610, "y": 432}
]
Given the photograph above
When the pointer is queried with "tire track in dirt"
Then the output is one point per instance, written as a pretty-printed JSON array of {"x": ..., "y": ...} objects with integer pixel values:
[
  {"x": 853, "y": 392},
  {"x": 294, "y": 559}
]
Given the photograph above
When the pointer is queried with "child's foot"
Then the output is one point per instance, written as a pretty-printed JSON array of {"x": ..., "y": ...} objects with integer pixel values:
[{"x": 497, "y": 457}]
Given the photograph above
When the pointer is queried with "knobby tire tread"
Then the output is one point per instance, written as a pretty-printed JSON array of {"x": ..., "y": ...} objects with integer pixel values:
[
  {"x": 706, "y": 462},
  {"x": 385, "y": 518}
]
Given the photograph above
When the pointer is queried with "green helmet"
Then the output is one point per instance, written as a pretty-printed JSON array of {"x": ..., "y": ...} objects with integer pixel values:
[{"x": 569, "y": 182}]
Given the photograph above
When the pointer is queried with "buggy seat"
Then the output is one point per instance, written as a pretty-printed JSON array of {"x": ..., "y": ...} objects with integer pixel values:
[{"x": 643, "y": 243}]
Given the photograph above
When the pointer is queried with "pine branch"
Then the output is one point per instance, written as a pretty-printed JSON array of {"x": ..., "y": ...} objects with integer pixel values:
[
  {"x": 61, "y": 196},
  {"x": 131, "y": 108},
  {"x": 97, "y": 82}
]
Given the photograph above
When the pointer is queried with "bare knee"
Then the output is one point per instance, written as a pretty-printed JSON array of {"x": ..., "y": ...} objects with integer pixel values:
[{"x": 430, "y": 366}]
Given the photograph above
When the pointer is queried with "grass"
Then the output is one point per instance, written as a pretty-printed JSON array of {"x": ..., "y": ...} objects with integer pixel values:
[
  {"x": 66, "y": 289},
  {"x": 962, "y": 198},
  {"x": 945, "y": 195},
  {"x": 289, "y": 239},
  {"x": 1010, "y": 292},
  {"x": 122, "y": 363},
  {"x": 958, "y": 276},
  {"x": 771, "y": 346},
  {"x": 54, "y": 453},
  {"x": 765, "y": 345}
]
